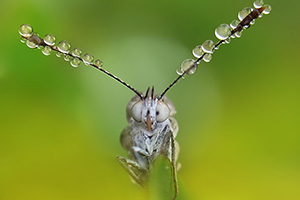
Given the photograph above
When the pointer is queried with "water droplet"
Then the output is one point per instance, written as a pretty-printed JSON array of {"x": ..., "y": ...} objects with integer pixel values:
[
  {"x": 198, "y": 51},
  {"x": 208, "y": 46},
  {"x": 258, "y": 3},
  {"x": 223, "y": 31},
  {"x": 244, "y": 12},
  {"x": 23, "y": 40},
  {"x": 58, "y": 54},
  {"x": 267, "y": 9},
  {"x": 46, "y": 50},
  {"x": 25, "y": 30},
  {"x": 234, "y": 23},
  {"x": 76, "y": 52},
  {"x": 75, "y": 62},
  {"x": 179, "y": 71},
  {"x": 207, "y": 57},
  {"x": 238, "y": 34},
  {"x": 64, "y": 46},
  {"x": 31, "y": 44},
  {"x": 252, "y": 22},
  {"x": 67, "y": 58},
  {"x": 189, "y": 66},
  {"x": 35, "y": 39},
  {"x": 98, "y": 63},
  {"x": 87, "y": 59},
  {"x": 49, "y": 39},
  {"x": 227, "y": 41}
]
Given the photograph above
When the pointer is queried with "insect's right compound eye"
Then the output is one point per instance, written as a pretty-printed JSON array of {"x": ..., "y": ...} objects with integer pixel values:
[{"x": 136, "y": 111}]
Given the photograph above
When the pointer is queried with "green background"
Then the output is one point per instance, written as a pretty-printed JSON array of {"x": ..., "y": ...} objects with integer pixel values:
[{"x": 238, "y": 115}]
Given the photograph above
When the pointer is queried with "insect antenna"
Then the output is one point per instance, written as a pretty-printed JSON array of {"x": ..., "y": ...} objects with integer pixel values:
[
  {"x": 224, "y": 33},
  {"x": 146, "y": 94},
  {"x": 63, "y": 48}
]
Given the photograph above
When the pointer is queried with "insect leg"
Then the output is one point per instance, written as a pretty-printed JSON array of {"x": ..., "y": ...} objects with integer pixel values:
[
  {"x": 170, "y": 151},
  {"x": 136, "y": 172}
]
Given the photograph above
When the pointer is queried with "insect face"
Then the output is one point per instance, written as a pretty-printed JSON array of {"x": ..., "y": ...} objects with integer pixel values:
[{"x": 149, "y": 112}]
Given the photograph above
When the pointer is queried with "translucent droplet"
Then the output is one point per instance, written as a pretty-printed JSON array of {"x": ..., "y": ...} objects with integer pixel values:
[
  {"x": 267, "y": 9},
  {"x": 31, "y": 44},
  {"x": 49, "y": 39},
  {"x": 76, "y": 52},
  {"x": 59, "y": 54},
  {"x": 258, "y": 3},
  {"x": 227, "y": 41},
  {"x": 25, "y": 30},
  {"x": 238, "y": 34},
  {"x": 198, "y": 51},
  {"x": 189, "y": 66},
  {"x": 234, "y": 23},
  {"x": 23, "y": 40},
  {"x": 244, "y": 12},
  {"x": 75, "y": 62},
  {"x": 207, "y": 57},
  {"x": 64, "y": 46},
  {"x": 223, "y": 31},
  {"x": 252, "y": 22},
  {"x": 98, "y": 63},
  {"x": 87, "y": 59},
  {"x": 179, "y": 71},
  {"x": 67, "y": 58},
  {"x": 208, "y": 46},
  {"x": 35, "y": 39},
  {"x": 46, "y": 50}
]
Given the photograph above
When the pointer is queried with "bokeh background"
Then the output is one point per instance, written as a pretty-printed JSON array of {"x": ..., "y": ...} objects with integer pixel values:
[{"x": 238, "y": 115}]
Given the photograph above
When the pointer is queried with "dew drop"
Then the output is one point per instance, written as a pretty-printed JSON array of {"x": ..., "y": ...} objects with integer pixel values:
[
  {"x": 208, "y": 46},
  {"x": 64, "y": 46},
  {"x": 59, "y": 54},
  {"x": 227, "y": 41},
  {"x": 75, "y": 62},
  {"x": 76, "y": 52},
  {"x": 49, "y": 39},
  {"x": 198, "y": 51},
  {"x": 234, "y": 23},
  {"x": 179, "y": 71},
  {"x": 35, "y": 39},
  {"x": 46, "y": 50},
  {"x": 244, "y": 12},
  {"x": 25, "y": 30},
  {"x": 189, "y": 66},
  {"x": 223, "y": 31},
  {"x": 31, "y": 44},
  {"x": 67, "y": 58},
  {"x": 207, "y": 57},
  {"x": 98, "y": 63},
  {"x": 258, "y": 3},
  {"x": 238, "y": 34},
  {"x": 87, "y": 59},
  {"x": 267, "y": 9},
  {"x": 23, "y": 40}
]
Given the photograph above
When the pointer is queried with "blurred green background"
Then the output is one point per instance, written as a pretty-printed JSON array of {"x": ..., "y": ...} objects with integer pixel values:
[{"x": 238, "y": 115}]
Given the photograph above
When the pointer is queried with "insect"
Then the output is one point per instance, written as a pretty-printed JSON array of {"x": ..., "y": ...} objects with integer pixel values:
[{"x": 151, "y": 129}]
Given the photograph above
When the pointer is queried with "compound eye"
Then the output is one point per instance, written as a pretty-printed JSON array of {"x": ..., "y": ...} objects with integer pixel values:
[
  {"x": 162, "y": 111},
  {"x": 136, "y": 111}
]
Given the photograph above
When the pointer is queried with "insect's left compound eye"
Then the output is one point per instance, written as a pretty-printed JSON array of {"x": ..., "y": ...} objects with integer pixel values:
[
  {"x": 162, "y": 111},
  {"x": 136, "y": 111}
]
